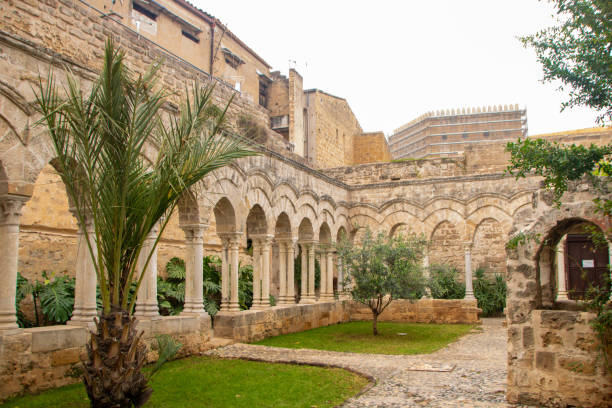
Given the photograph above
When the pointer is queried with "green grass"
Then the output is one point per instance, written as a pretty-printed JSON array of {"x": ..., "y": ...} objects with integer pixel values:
[
  {"x": 209, "y": 382},
  {"x": 357, "y": 337}
]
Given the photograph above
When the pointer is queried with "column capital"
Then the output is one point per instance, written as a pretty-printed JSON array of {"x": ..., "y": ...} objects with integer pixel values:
[
  {"x": 10, "y": 208},
  {"x": 264, "y": 239},
  {"x": 194, "y": 232},
  {"x": 467, "y": 246}
]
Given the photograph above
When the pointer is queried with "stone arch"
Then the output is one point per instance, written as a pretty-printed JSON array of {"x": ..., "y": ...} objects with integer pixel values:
[
  {"x": 325, "y": 234},
  {"x": 256, "y": 222},
  {"x": 282, "y": 229},
  {"x": 342, "y": 234},
  {"x": 48, "y": 230},
  {"x": 489, "y": 247},
  {"x": 225, "y": 216},
  {"x": 404, "y": 223},
  {"x": 535, "y": 318},
  {"x": 446, "y": 245},
  {"x": 305, "y": 230}
]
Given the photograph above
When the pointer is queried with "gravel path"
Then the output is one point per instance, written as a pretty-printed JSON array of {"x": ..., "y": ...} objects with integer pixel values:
[{"x": 468, "y": 373}]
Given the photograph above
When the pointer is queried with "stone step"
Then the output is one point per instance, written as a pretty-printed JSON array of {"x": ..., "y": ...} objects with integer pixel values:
[{"x": 216, "y": 342}]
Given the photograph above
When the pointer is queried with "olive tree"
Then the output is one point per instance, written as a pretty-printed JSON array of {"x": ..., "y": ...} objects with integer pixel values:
[{"x": 382, "y": 268}]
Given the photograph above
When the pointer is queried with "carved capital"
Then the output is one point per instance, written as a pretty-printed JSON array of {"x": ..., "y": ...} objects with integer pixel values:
[
  {"x": 194, "y": 233},
  {"x": 10, "y": 209}
]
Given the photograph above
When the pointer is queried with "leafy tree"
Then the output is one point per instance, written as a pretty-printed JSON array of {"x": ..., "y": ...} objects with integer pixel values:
[
  {"x": 99, "y": 138},
  {"x": 383, "y": 268},
  {"x": 578, "y": 53}
]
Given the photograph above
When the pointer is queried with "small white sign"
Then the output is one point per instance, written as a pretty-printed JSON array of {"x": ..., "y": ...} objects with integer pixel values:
[{"x": 588, "y": 263}]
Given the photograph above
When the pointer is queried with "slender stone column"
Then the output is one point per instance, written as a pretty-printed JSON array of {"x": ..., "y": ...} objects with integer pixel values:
[
  {"x": 85, "y": 307},
  {"x": 469, "y": 290},
  {"x": 266, "y": 244},
  {"x": 427, "y": 294},
  {"x": 330, "y": 275},
  {"x": 323, "y": 278},
  {"x": 562, "y": 287},
  {"x": 282, "y": 272},
  {"x": 10, "y": 213},
  {"x": 304, "y": 275},
  {"x": 290, "y": 299},
  {"x": 146, "y": 300},
  {"x": 225, "y": 272},
  {"x": 256, "y": 274},
  {"x": 194, "y": 248},
  {"x": 234, "y": 305},
  {"x": 340, "y": 276},
  {"x": 311, "y": 272}
]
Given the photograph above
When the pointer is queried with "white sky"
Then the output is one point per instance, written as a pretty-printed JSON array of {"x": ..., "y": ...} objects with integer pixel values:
[{"x": 395, "y": 60}]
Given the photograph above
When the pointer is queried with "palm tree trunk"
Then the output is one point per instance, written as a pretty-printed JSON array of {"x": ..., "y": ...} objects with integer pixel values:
[{"x": 115, "y": 357}]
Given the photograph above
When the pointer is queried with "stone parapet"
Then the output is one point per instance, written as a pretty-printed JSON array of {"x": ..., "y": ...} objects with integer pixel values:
[
  {"x": 253, "y": 325},
  {"x": 33, "y": 360},
  {"x": 438, "y": 311}
]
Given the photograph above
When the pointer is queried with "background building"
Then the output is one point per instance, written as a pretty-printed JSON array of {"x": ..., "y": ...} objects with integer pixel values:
[{"x": 449, "y": 132}]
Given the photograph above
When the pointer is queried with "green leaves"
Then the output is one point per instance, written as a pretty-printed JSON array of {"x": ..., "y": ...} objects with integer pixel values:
[
  {"x": 383, "y": 268},
  {"x": 101, "y": 141},
  {"x": 578, "y": 53},
  {"x": 557, "y": 163},
  {"x": 443, "y": 283}
]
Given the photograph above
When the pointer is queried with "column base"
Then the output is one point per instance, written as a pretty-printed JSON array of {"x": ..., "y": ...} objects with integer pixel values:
[
  {"x": 469, "y": 296},
  {"x": 308, "y": 300},
  {"x": 147, "y": 311},
  {"x": 194, "y": 308},
  {"x": 83, "y": 317},
  {"x": 562, "y": 296},
  {"x": 8, "y": 322}
]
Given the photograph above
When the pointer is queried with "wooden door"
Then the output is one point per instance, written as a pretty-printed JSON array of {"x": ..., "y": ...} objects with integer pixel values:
[{"x": 585, "y": 265}]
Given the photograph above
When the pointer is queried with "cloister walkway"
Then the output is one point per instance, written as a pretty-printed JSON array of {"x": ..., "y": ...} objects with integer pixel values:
[{"x": 468, "y": 373}]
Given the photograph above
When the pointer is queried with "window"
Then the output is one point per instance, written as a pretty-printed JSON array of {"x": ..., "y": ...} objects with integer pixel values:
[
  {"x": 263, "y": 91},
  {"x": 148, "y": 13},
  {"x": 486, "y": 134},
  {"x": 444, "y": 137},
  {"x": 191, "y": 36}
]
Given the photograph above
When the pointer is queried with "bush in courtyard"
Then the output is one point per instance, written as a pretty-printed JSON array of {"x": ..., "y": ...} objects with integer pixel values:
[
  {"x": 383, "y": 268},
  {"x": 443, "y": 283},
  {"x": 490, "y": 292},
  {"x": 52, "y": 299}
]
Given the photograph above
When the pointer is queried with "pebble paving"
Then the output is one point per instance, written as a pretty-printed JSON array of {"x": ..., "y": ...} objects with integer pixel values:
[{"x": 468, "y": 373}]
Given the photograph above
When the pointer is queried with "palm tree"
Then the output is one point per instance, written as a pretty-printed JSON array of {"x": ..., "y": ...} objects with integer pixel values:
[{"x": 99, "y": 139}]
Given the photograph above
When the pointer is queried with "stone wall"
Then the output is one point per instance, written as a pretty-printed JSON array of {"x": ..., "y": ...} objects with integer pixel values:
[
  {"x": 33, "y": 360},
  {"x": 437, "y": 311},
  {"x": 553, "y": 356},
  {"x": 370, "y": 147},
  {"x": 559, "y": 363},
  {"x": 253, "y": 325},
  {"x": 335, "y": 126}
]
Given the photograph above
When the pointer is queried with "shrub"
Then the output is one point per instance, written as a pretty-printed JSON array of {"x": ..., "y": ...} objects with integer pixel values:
[
  {"x": 491, "y": 293},
  {"x": 443, "y": 283},
  {"x": 52, "y": 298}
]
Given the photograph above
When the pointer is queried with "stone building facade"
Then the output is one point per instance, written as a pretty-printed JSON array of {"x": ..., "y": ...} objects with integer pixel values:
[
  {"x": 286, "y": 205},
  {"x": 448, "y": 132}
]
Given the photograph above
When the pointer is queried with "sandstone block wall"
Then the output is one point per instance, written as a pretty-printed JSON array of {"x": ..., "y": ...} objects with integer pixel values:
[
  {"x": 438, "y": 311},
  {"x": 559, "y": 364},
  {"x": 370, "y": 148},
  {"x": 254, "y": 325},
  {"x": 33, "y": 360},
  {"x": 335, "y": 126}
]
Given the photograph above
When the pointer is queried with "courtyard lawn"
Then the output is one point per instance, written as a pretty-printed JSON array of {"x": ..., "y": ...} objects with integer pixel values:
[
  {"x": 210, "y": 382},
  {"x": 357, "y": 337}
]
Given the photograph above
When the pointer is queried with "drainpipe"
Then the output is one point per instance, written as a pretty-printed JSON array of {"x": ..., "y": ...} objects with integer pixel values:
[{"x": 212, "y": 47}]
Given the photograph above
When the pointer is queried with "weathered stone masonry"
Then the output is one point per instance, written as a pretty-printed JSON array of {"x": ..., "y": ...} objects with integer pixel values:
[{"x": 463, "y": 204}]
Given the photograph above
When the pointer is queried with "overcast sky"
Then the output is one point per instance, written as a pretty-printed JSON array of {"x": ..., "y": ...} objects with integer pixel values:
[{"x": 395, "y": 60}]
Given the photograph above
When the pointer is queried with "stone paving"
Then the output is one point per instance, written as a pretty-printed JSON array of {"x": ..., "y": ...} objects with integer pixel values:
[{"x": 468, "y": 373}]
